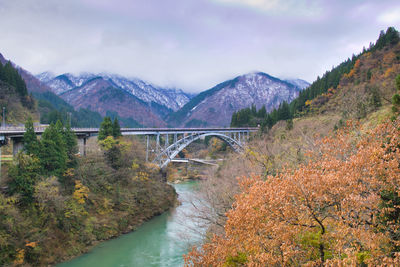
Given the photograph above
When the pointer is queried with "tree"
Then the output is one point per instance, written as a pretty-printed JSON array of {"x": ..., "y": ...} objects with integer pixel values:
[
  {"x": 53, "y": 154},
  {"x": 325, "y": 212},
  {"x": 71, "y": 144},
  {"x": 24, "y": 172},
  {"x": 284, "y": 111},
  {"x": 106, "y": 129},
  {"x": 31, "y": 143},
  {"x": 262, "y": 112},
  {"x": 396, "y": 97},
  {"x": 116, "y": 129},
  {"x": 112, "y": 151}
]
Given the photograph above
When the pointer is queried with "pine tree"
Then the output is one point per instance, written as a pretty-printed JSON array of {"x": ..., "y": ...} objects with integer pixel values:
[
  {"x": 31, "y": 143},
  {"x": 106, "y": 129},
  {"x": 25, "y": 172},
  {"x": 262, "y": 112},
  {"x": 284, "y": 111},
  {"x": 53, "y": 154},
  {"x": 71, "y": 145},
  {"x": 396, "y": 97},
  {"x": 116, "y": 129}
]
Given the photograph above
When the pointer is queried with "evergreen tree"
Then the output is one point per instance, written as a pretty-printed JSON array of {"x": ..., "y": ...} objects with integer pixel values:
[
  {"x": 31, "y": 143},
  {"x": 253, "y": 110},
  {"x": 262, "y": 112},
  {"x": 106, "y": 129},
  {"x": 396, "y": 97},
  {"x": 284, "y": 111},
  {"x": 71, "y": 145},
  {"x": 375, "y": 99},
  {"x": 53, "y": 154},
  {"x": 116, "y": 128},
  {"x": 234, "y": 120},
  {"x": 25, "y": 173}
]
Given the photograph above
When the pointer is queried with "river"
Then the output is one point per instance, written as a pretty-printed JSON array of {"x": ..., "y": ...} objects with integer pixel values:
[{"x": 159, "y": 242}]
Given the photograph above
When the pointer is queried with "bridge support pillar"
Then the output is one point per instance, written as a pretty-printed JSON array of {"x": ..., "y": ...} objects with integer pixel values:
[
  {"x": 158, "y": 143},
  {"x": 18, "y": 144},
  {"x": 82, "y": 144},
  {"x": 147, "y": 148}
]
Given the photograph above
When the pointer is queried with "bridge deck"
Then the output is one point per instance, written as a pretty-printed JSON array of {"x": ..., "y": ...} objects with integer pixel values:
[{"x": 19, "y": 131}]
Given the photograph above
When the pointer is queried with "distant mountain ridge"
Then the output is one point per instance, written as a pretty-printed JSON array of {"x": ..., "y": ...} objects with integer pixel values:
[
  {"x": 171, "y": 99},
  {"x": 298, "y": 82},
  {"x": 215, "y": 106}
]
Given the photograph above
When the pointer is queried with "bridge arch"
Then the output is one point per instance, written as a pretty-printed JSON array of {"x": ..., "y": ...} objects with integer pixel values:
[{"x": 169, "y": 153}]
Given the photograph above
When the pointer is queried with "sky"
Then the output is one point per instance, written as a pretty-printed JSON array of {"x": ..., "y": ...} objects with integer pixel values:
[{"x": 190, "y": 44}]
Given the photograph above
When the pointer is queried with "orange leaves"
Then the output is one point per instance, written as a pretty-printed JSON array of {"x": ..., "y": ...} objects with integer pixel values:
[
  {"x": 326, "y": 210},
  {"x": 388, "y": 72},
  {"x": 31, "y": 244}
]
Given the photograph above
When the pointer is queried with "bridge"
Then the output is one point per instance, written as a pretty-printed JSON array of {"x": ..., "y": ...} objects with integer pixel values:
[{"x": 164, "y": 143}]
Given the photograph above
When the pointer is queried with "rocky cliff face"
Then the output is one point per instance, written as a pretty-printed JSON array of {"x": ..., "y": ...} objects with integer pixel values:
[{"x": 215, "y": 106}]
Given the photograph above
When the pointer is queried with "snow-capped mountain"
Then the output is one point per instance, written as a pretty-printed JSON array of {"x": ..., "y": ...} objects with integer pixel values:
[
  {"x": 215, "y": 106},
  {"x": 101, "y": 95},
  {"x": 298, "y": 82},
  {"x": 170, "y": 99}
]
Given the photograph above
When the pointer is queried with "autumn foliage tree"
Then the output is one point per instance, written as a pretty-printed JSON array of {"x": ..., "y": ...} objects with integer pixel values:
[{"x": 339, "y": 208}]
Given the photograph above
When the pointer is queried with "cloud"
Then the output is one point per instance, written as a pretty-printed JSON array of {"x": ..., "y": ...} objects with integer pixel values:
[
  {"x": 307, "y": 8},
  {"x": 190, "y": 44},
  {"x": 390, "y": 17}
]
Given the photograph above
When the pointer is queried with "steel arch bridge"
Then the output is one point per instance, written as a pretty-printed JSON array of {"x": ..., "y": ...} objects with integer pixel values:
[{"x": 167, "y": 154}]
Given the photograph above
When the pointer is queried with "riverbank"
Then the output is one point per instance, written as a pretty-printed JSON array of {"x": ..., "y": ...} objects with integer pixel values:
[
  {"x": 160, "y": 241},
  {"x": 88, "y": 204}
]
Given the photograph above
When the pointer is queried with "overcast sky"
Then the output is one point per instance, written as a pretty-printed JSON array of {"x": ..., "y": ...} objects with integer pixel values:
[{"x": 190, "y": 44}]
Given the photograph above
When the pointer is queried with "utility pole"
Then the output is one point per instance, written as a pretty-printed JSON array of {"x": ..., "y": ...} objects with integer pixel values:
[
  {"x": 4, "y": 117},
  {"x": 0, "y": 161}
]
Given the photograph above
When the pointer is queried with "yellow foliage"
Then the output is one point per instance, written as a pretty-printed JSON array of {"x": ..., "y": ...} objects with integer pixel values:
[
  {"x": 108, "y": 143},
  {"x": 106, "y": 206},
  {"x": 69, "y": 172},
  {"x": 308, "y": 102},
  {"x": 143, "y": 176},
  {"x": 81, "y": 192},
  {"x": 19, "y": 259},
  {"x": 134, "y": 166}
]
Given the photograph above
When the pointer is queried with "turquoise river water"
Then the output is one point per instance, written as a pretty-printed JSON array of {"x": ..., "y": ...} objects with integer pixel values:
[{"x": 159, "y": 242}]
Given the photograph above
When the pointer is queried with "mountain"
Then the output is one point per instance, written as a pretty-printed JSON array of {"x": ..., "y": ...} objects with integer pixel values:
[
  {"x": 50, "y": 106},
  {"x": 353, "y": 89},
  {"x": 102, "y": 96},
  {"x": 298, "y": 82},
  {"x": 215, "y": 106},
  {"x": 160, "y": 99}
]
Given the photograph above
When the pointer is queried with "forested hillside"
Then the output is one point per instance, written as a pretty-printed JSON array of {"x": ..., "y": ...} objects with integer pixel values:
[
  {"x": 14, "y": 95},
  {"x": 321, "y": 188},
  {"x": 55, "y": 204},
  {"x": 355, "y": 87}
]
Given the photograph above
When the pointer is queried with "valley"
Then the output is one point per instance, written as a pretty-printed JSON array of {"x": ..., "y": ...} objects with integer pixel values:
[{"x": 184, "y": 135}]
